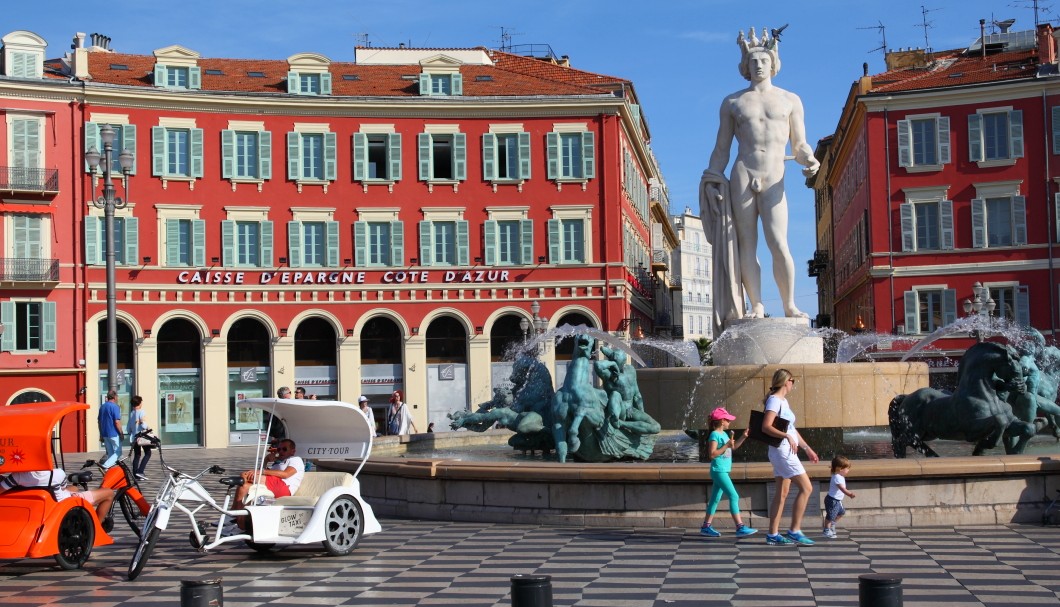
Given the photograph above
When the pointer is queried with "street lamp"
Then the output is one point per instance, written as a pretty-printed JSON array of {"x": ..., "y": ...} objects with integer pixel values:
[
  {"x": 524, "y": 326},
  {"x": 108, "y": 202},
  {"x": 981, "y": 305}
]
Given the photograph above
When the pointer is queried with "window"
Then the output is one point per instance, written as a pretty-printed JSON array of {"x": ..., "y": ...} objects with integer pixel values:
[
  {"x": 929, "y": 309},
  {"x": 25, "y": 147},
  {"x": 927, "y": 225},
  {"x": 999, "y": 221},
  {"x": 570, "y": 156},
  {"x": 509, "y": 242},
  {"x": 995, "y": 135},
  {"x": 24, "y": 65},
  {"x": 377, "y": 157},
  {"x": 124, "y": 139},
  {"x": 313, "y": 243},
  {"x": 924, "y": 141},
  {"x": 444, "y": 243},
  {"x": 126, "y": 240},
  {"x": 506, "y": 156},
  {"x": 246, "y": 243},
  {"x": 185, "y": 242},
  {"x": 441, "y": 84},
  {"x": 443, "y": 157},
  {"x": 308, "y": 83},
  {"x": 29, "y": 326},
  {"x": 567, "y": 240},
  {"x": 379, "y": 243},
  {"x": 27, "y": 242},
  {"x": 176, "y": 152},
  {"x": 311, "y": 156},
  {"x": 246, "y": 155},
  {"x": 1012, "y": 303},
  {"x": 178, "y": 77}
]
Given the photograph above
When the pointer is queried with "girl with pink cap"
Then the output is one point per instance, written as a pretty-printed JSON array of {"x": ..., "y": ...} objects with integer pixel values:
[{"x": 721, "y": 445}]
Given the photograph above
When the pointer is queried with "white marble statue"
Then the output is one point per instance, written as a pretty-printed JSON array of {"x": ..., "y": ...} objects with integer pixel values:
[{"x": 762, "y": 118}]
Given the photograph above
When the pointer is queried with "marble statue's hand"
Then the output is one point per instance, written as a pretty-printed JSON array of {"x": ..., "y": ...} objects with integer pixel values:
[{"x": 811, "y": 170}]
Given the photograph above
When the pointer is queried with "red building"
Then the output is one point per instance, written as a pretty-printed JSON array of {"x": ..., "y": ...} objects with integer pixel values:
[
  {"x": 943, "y": 173},
  {"x": 345, "y": 227}
]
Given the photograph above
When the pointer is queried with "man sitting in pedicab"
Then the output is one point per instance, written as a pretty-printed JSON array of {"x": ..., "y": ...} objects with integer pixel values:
[
  {"x": 101, "y": 499},
  {"x": 280, "y": 476}
]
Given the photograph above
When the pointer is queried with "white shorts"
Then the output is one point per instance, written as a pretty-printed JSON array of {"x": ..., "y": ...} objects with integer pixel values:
[{"x": 785, "y": 463}]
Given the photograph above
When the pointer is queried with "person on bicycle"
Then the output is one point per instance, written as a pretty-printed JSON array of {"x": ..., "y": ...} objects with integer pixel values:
[{"x": 101, "y": 499}]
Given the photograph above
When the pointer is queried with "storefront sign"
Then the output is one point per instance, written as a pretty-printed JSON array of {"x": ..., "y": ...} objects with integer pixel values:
[{"x": 343, "y": 277}]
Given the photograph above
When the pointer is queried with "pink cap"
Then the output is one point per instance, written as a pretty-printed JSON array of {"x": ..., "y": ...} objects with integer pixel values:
[{"x": 721, "y": 413}]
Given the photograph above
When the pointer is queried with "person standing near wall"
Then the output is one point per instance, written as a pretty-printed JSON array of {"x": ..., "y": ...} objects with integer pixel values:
[{"x": 110, "y": 428}]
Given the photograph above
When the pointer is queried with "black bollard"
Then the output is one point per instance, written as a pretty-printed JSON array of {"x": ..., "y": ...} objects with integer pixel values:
[
  {"x": 879, "y": 590},
  {"x": 201, "y": 593},
  {"x": 531, "y": 590}
]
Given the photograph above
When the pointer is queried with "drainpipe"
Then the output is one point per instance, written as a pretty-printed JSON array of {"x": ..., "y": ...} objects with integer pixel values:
[{"x": 1051, "y": 224}]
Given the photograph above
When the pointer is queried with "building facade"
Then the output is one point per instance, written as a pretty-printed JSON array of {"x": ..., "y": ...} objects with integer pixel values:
[
  {"x": 693, "y": 265},
  {"x": 345, "y": 227}
]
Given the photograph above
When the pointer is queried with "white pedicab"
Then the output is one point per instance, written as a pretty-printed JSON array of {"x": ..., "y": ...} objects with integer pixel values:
[{"x": 326, "y": 508}]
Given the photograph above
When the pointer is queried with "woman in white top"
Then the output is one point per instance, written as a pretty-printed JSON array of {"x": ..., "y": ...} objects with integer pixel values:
[
  {"x": 398, "y": 420},
  {"x": 787, "y": 469}
]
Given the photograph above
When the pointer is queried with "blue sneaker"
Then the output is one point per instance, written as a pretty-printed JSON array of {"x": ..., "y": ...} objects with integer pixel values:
[
  {"x": 744, "y": 531},
  {"x": 778, "y": 540},
  {"x": 797, "y": 536},
  {"x": 709, "y": 531}
]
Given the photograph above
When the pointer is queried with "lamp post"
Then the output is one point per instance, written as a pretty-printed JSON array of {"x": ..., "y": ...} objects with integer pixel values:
[
  {"x": 524, "y": 326},
  {"x": 981, "y": 305},
  {"x": 109, "y": 202}
]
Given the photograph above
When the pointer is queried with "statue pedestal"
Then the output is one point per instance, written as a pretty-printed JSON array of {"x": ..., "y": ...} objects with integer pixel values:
[{"x": 768, "y": 341}]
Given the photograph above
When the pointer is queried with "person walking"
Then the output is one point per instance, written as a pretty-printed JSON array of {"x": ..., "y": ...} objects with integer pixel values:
[
  {"x": 110, "y": 428},
  {"x": 398, "y": 420},
  {"x": 137, "y": 423},
  {"x": 787, "y": 469},
  {"x": 837, "y": 488},
  {"x": 721, "y": 445}
]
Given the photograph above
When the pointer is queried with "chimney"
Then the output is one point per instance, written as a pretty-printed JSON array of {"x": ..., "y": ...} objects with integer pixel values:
[
  {"x": 1005, "y": 25},
  {"x": 1046, "y": 44}
]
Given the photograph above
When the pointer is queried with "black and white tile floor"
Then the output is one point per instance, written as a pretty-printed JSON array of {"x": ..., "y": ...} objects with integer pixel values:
[{"x": 470, "y": 565}]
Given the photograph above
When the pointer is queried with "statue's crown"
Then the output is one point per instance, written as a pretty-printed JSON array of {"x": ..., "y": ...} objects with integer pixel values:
[{"x": 753, "y": 43}]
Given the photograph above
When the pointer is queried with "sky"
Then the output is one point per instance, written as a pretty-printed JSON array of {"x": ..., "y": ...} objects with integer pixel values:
[{"x": 681, "y": 55}]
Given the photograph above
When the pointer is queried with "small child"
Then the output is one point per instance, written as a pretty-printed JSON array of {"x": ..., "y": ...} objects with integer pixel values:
[
  {"x": 837, "y": 488},
  {"x": 721, "y": 445}
]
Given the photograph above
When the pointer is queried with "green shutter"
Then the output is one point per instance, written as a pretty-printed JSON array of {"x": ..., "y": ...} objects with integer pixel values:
[
  {"x": 426, "y": 250},
  {"x": 397, "y": 244},
  {"x": 1056, "y": 129},
  {"x": 552, "y": 140},
  {"x": 331, "y": 231},
  {"x": 555, "y": 241},
  {"x": 228, "y": 153},
  {"x": 92, "y": 240},
  {"x": 905, "y": 143},
  {"x": 294, "y": 244},
  {"x": 1023, "y": 305},
  {"x": 946, "y": 225},
  {"x": 160, "y": 75},
  {"x": 588, "y": 155},
  {"x": 265, "y": 154},
  {"x": 912, "y": 324},
  {"x": 943, "y": 126},
  {"x": 92, "y": 141},
  {"x": 194, "y": 77},
  {"x": 294, "y": 156},
  {"x": 196, "y": 153},
  {"x": 425, "y": 84},
  {"x": 360, "y": 243},
  {"x": 1015, "y": 124},
  {"x": 526, "y": 239},
  {"x": 458, "y": 84},
  {"x": 228, "y": 243},
  {"x": 1019, "y": 220},
  {"x": 978, "y": 223},
  {"x": 325, "y": 84},
  {"x": 360, "y": 156},
  {"x": 172, "y": 241},
  {"x": 489, "y": 149},
  {"x": 949, "y": 306},
  {"x": 489, "y": 237},
  {"x": 292, "y": 83},
  {"x": 132, "y": 241},
  {"x": 463, "y": 244},
  {"x": 330, "y": 162},
  {"x": 158, "y": 151},
  {"x": 128, "y": 142},
  {"x": 425, "y": 155},
  {"x": 33, "y": 146},
  {"x": 7, "y": 317},
  {"x": 908, "y": 220},
  {"x": 266, "y": 244},
  {"x": 393, "y": 153},
  {"x": 48, "y": 328},
  {"x": 459, "y": 156},
  {"x": 524, "y": 155},
  {"x": 198, "y": 243},
  {"x": 975, "y": 138}
]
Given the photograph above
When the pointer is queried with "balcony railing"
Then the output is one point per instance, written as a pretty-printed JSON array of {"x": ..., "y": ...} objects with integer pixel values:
[
  {"x": 28, "y": 269},
  {"x": 20, "y": 179}
]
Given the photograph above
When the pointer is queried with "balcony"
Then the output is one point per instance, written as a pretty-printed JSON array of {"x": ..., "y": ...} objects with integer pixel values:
[
  {"x": 818, "y": 265},
  {"x": 660, "y": 260},
  {"x": 21, "y": 270},
  {"x": 20, "y": 179}
]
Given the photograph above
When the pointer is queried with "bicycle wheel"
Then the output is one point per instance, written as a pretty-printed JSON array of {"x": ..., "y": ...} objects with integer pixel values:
[
  {"x": 130, "y": 510},
  {"x": 76, "y": 537},
  {"x": 145, "y": 547}
]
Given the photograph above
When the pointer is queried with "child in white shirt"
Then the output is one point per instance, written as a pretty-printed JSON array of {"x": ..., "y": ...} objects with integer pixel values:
[{"x": 837, "y": 488}]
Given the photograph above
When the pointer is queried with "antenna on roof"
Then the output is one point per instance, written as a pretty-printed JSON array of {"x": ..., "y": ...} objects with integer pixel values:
[
  {"x": 924, "y": 23},
  {"x": 1034, "y": 5},
  {"x": 882, "y": 29},
  {"x": 362, "y": 40},
  {"x": 506, "y": 39}
]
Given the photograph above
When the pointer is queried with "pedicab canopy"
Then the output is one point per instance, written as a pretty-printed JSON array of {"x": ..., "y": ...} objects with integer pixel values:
[
  {"x": 321, "y": 429},
  {"x": 26, "y": 434}
]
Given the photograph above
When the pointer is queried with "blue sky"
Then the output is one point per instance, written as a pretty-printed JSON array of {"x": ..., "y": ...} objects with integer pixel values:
[{"x": 680, "y": 54}]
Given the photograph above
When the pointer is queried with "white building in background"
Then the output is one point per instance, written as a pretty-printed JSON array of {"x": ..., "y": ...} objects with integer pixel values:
[{"x": 693, "y": 264}]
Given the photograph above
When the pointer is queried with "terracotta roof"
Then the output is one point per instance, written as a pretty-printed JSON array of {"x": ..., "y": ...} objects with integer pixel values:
[
  {"x": 511, "y": 76},
  {"x": 955, "y": 68}
]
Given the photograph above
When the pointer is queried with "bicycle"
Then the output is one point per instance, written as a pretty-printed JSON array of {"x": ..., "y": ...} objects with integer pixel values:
[{"x": 127, "y": 493}]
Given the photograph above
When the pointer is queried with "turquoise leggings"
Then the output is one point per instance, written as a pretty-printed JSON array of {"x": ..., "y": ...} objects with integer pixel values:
[{"x": 722, "y": 484}]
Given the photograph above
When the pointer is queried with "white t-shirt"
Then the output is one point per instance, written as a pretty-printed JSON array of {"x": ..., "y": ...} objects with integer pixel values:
[
  {"x": 783, "y": 410},
  {"x": 38, "y": 478},
  {"x": 838, "y": 480},
  {"x": 295, "y": 480}
]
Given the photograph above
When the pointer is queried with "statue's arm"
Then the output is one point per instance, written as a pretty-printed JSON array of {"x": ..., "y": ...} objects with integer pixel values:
[
  {"x": 799, "y": 146},
  {"x": 719, "y": 158}
]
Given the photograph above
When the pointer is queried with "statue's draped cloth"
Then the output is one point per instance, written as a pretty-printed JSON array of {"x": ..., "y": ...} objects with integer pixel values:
[{"x": 720, "y": 230}]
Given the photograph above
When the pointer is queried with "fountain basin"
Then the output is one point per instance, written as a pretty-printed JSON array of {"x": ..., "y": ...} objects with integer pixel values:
[{"x": 911, "y": 492}]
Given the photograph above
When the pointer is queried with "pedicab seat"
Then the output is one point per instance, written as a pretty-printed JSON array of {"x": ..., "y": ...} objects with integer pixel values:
[{"x": 315, "y": 484}]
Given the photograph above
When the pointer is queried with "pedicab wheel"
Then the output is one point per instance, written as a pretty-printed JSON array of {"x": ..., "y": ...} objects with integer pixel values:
[
  {"x": 130, "y": 511},
  {"x": 343, "y": 526},
  {"x": 145, "y": 547},
  {"x": 77, "y": 533}
]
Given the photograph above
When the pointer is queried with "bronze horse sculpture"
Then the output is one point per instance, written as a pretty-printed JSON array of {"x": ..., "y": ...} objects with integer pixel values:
[{"x": 975, "y": 412}]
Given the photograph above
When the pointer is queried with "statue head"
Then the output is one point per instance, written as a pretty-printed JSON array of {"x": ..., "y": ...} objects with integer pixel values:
[{"x": 753, "y": 45}]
